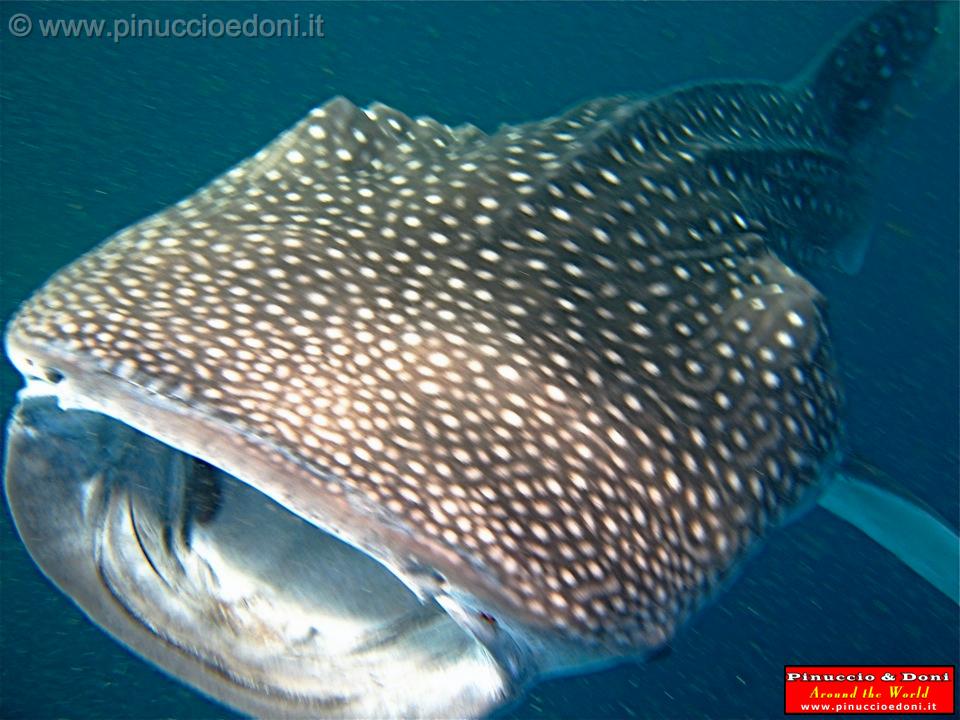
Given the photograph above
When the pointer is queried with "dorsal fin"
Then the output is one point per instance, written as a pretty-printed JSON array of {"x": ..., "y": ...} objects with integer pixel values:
[{"x": 854, "y": 82}]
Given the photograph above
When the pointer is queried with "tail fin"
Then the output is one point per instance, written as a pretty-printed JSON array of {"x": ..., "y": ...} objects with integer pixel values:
[
  {"x": 860, "y": 495},
  {"x": 854, "y": 81}
]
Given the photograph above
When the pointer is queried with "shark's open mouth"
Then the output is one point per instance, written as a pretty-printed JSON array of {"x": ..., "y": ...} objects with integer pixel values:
[{"x": 205, "y": 575}]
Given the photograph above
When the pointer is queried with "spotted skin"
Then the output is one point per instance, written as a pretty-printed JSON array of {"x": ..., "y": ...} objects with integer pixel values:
[{"x": 575, "y": 353}]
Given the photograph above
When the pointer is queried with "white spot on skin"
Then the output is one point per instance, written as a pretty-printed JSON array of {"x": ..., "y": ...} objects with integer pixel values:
[
  {"x": 429, "y": 387},
  {"x": 556, "y": 394},
  {"x": 785, "y": 339},
  {"x": 508, "y": 372},
  {"x": 512, "y": 418},
  {"x": 609, "y": 177},
  {"x": 583, "y": 191},
  {"x": 672, "y": 480}
]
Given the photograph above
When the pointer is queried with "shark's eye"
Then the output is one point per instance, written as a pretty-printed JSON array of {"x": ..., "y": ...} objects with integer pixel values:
[
  {"x": 40, "y": 372},
  {"x": 489, "y": 619}
]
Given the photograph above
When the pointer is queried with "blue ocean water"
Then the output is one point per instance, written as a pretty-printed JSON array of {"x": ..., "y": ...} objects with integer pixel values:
[{"x": 97, "y": 134}]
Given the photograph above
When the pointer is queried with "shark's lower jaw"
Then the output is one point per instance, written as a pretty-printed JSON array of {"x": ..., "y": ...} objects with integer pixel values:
[{"x": 227, "y": 590}]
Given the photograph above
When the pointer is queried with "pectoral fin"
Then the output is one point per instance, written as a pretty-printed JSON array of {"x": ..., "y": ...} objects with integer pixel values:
[{"x": 899, "y": 523}]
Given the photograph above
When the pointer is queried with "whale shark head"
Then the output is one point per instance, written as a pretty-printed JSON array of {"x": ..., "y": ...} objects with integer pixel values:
[{"x": 393, "y": 417}]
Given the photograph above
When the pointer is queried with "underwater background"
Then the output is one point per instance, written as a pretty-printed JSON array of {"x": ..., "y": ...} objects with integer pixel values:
[{"x": 96, "y": 134}]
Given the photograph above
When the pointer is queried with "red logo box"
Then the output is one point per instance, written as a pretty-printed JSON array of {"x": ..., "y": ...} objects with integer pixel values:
[{"x": 869, "y": 689}]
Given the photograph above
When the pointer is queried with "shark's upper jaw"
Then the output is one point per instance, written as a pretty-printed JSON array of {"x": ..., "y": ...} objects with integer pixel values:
[{"x": 557, "y": 381}]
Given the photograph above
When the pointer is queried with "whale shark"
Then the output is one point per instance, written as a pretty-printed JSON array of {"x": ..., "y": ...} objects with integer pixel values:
[{"x": 394, "y": 419}]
